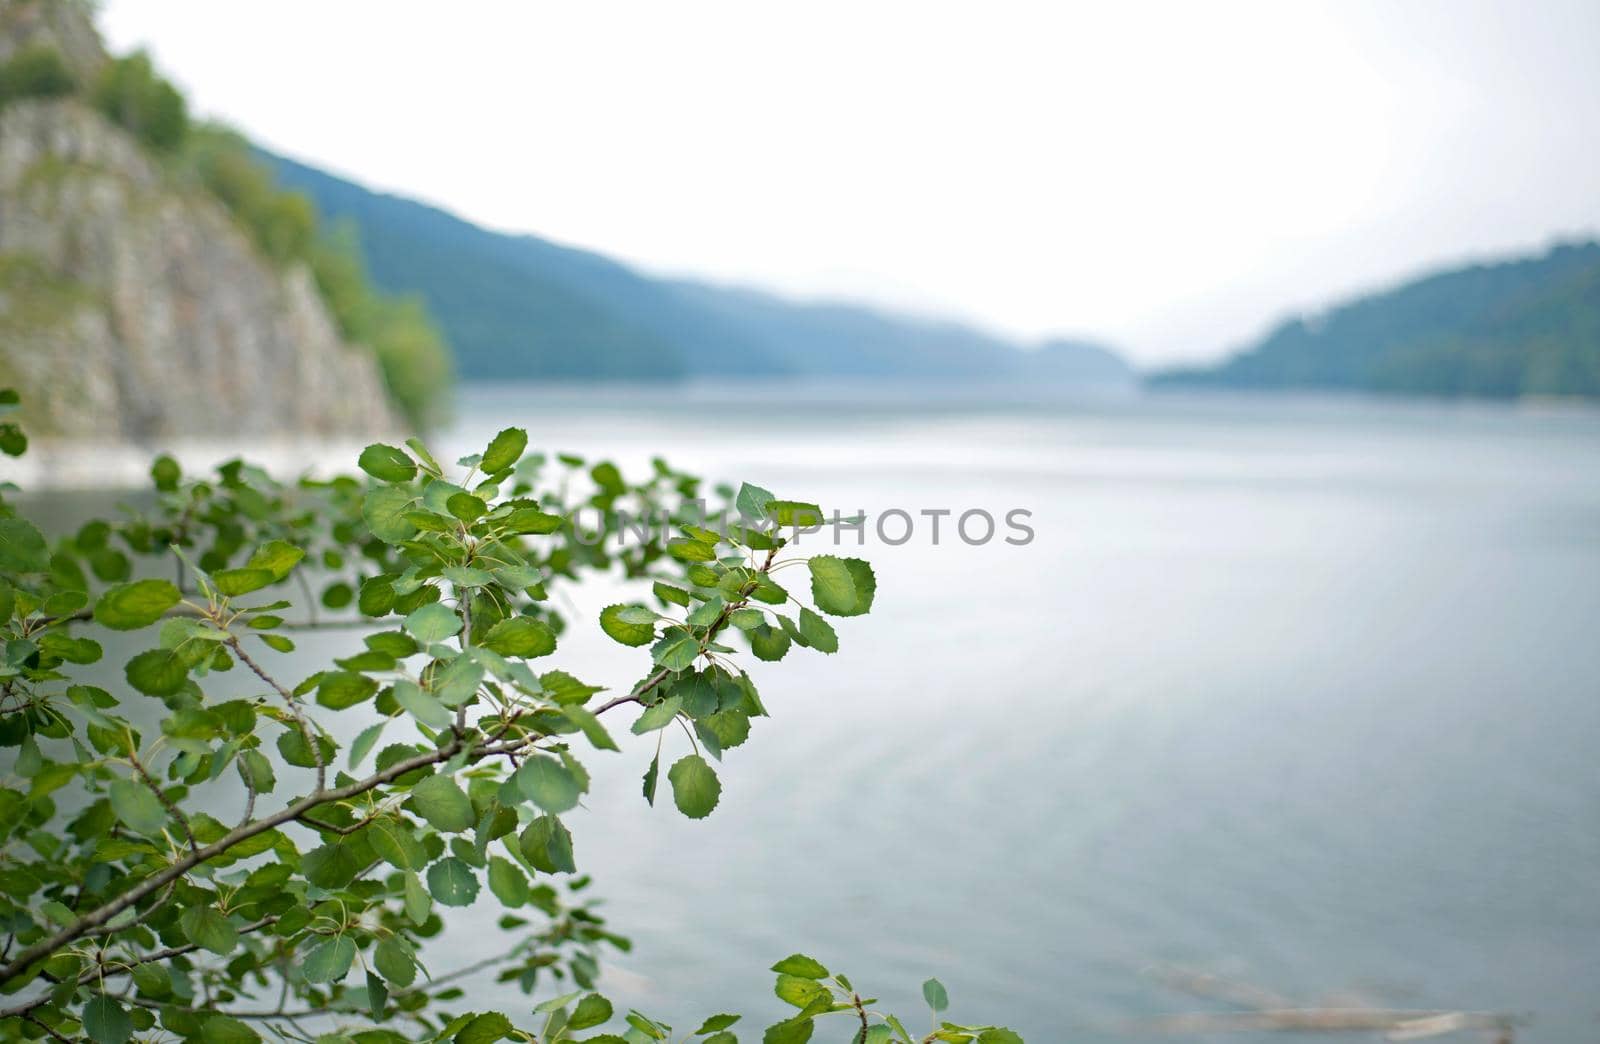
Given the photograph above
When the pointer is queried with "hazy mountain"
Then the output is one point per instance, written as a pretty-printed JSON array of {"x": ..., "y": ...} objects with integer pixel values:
[
  {"x": 520, "y": 306},
  {"x": 1527, "y": 326}
]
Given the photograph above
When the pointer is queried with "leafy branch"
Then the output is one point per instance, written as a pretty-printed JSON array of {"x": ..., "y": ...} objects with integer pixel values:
[{"x": 452, "y": 574}]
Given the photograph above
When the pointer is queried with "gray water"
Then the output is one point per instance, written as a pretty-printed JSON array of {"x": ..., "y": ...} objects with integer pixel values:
[{"x": 1304, "y": 693}]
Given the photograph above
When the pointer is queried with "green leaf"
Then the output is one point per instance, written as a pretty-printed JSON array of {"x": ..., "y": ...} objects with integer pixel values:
[
  {"x": 222, "y": 1029},
  {"x": 278, "y": 642},
  {"x": 233, "y": 582},
  {"x": 592, "y": 1010},
  {"x": 651, "y": 776},
  {"x": 105, "y": 1021},
  {"x": 416, "y": 446},
  {"x": 676, "y": 650},
  {"x": 547, "y": 846},
  {"x": 255, "y": 769},
  {"x": 139, "y": 809},
  {"x": 999, "y": 1035},
  {"x": 387, "y": 464},
  {"x": 384, "y": 511},
  {"x": 456, "y": 681},
  {"x": 452, "y": 882},
  {"x": 564, "y": 689},
  {"x": 330, "y": 866},
  {"x": 800, "y": 991},
  {"x": 790, "y": 1031},
  {"x": 547, "y": 783},
  {"x": 297, "y": 752},
  {"x": 165, "y": 473},
  {"x": 72, "y": 650},
  {"x": 505, "y": 449},
  {"x": 769, "y": 643},
  {"x": 688, "y": 550},
  {"x": 128, "y": 607},
  {"x": 417, "y": 901},
  {"x": 377, "y": 597},
  {"x": 729, "y": 727},
  {"x": 705, "y": 614},
  {"x": 532, "y": 520},
  {"x": 393, "y": 842},
  {"x": 625, "y": 631},
  {"x": 818, "y": 632},
  {"x": 508, "y": 883},
  {"x": 485, "y": 1029},
  {"x": 362, "y": 745},
  {"x": 802, "y": 966},
  {"x": 377, "y": 997},
  {"x": 22, "y": 547},
  {"x": 668, "y": 593},
  {"x": 443, "y": 804},
  {"x": 658, "y": 715},
  {"x": 329, "y": 960},
  {"x": 520, "y": 636},
  {"x": 207, "y": 928},
  {"x": 278, "y": 557},
  {"x": 715, "y": 1023},
  {"x": 695, "y": 788},
  {"x": 432, "y": 623},
  {"x": 752, "y": 502},
  {"x": 841, "y": 586},
  {"x": 395, "y": 961},
  {"x": 423, "y": 706},
  {"x": 794, "y": 513},
  {"x": 466, "y": 507},
  {"x": 933, "y": 992},
  {"x": 340, "y": 689}
]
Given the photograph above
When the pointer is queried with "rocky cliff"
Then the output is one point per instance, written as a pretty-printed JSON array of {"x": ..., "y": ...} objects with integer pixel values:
[{"x": 132, "y": 305}]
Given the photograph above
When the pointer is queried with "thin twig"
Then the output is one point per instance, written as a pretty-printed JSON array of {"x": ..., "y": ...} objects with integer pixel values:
[
  {"x": 293, "y": 704},
  {"x": 166, "y": 802}
]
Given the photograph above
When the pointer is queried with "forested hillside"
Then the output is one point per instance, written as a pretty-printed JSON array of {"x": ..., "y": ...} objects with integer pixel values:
[
  {"x": 1526, "y": 327},
  {"x": 520, "y": 306}
]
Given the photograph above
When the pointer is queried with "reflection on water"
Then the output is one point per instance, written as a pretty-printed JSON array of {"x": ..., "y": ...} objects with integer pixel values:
[{"x": 1301, "y": 692}]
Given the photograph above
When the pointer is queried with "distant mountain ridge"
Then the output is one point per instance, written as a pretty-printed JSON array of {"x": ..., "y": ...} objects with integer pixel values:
[
  {"x": 1527, "y": 326},
  {"x": 517, "y": 306}
]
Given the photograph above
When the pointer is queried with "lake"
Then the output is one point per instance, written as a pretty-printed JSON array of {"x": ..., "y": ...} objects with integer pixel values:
[{"x": 1301, "y": 692}]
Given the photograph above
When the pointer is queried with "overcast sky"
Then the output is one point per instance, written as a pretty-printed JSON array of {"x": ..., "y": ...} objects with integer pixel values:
[{"x": 1171, "y": 177}]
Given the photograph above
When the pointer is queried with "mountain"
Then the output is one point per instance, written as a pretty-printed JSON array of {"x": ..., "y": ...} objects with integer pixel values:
[
  {"x": 133, "y": 305},
  {"x": 1528, "y": 326},
  {"x": 517, "y": 306}
]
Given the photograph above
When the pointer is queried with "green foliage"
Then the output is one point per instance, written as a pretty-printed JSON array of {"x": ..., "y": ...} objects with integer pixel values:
[
  {"x": 183, "y": 863},
  {"x": 131, "y": 93},
  {"x": 35, "y": 72}
]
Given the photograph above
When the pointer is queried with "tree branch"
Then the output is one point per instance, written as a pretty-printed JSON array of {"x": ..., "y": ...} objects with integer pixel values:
[{"x": 98, "y": 917}]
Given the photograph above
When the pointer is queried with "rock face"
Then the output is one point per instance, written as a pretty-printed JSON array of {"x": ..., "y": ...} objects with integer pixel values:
[
  {"x": 132, "y": 310},
  {"x": 132, "y": 306}
]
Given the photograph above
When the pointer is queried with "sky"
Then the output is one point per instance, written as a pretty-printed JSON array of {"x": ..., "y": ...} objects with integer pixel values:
[{"x": 1172, "y": 178}]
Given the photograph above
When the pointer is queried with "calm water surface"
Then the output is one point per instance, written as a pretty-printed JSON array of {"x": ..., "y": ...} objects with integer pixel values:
[{"x": 1303, "y": 693}]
